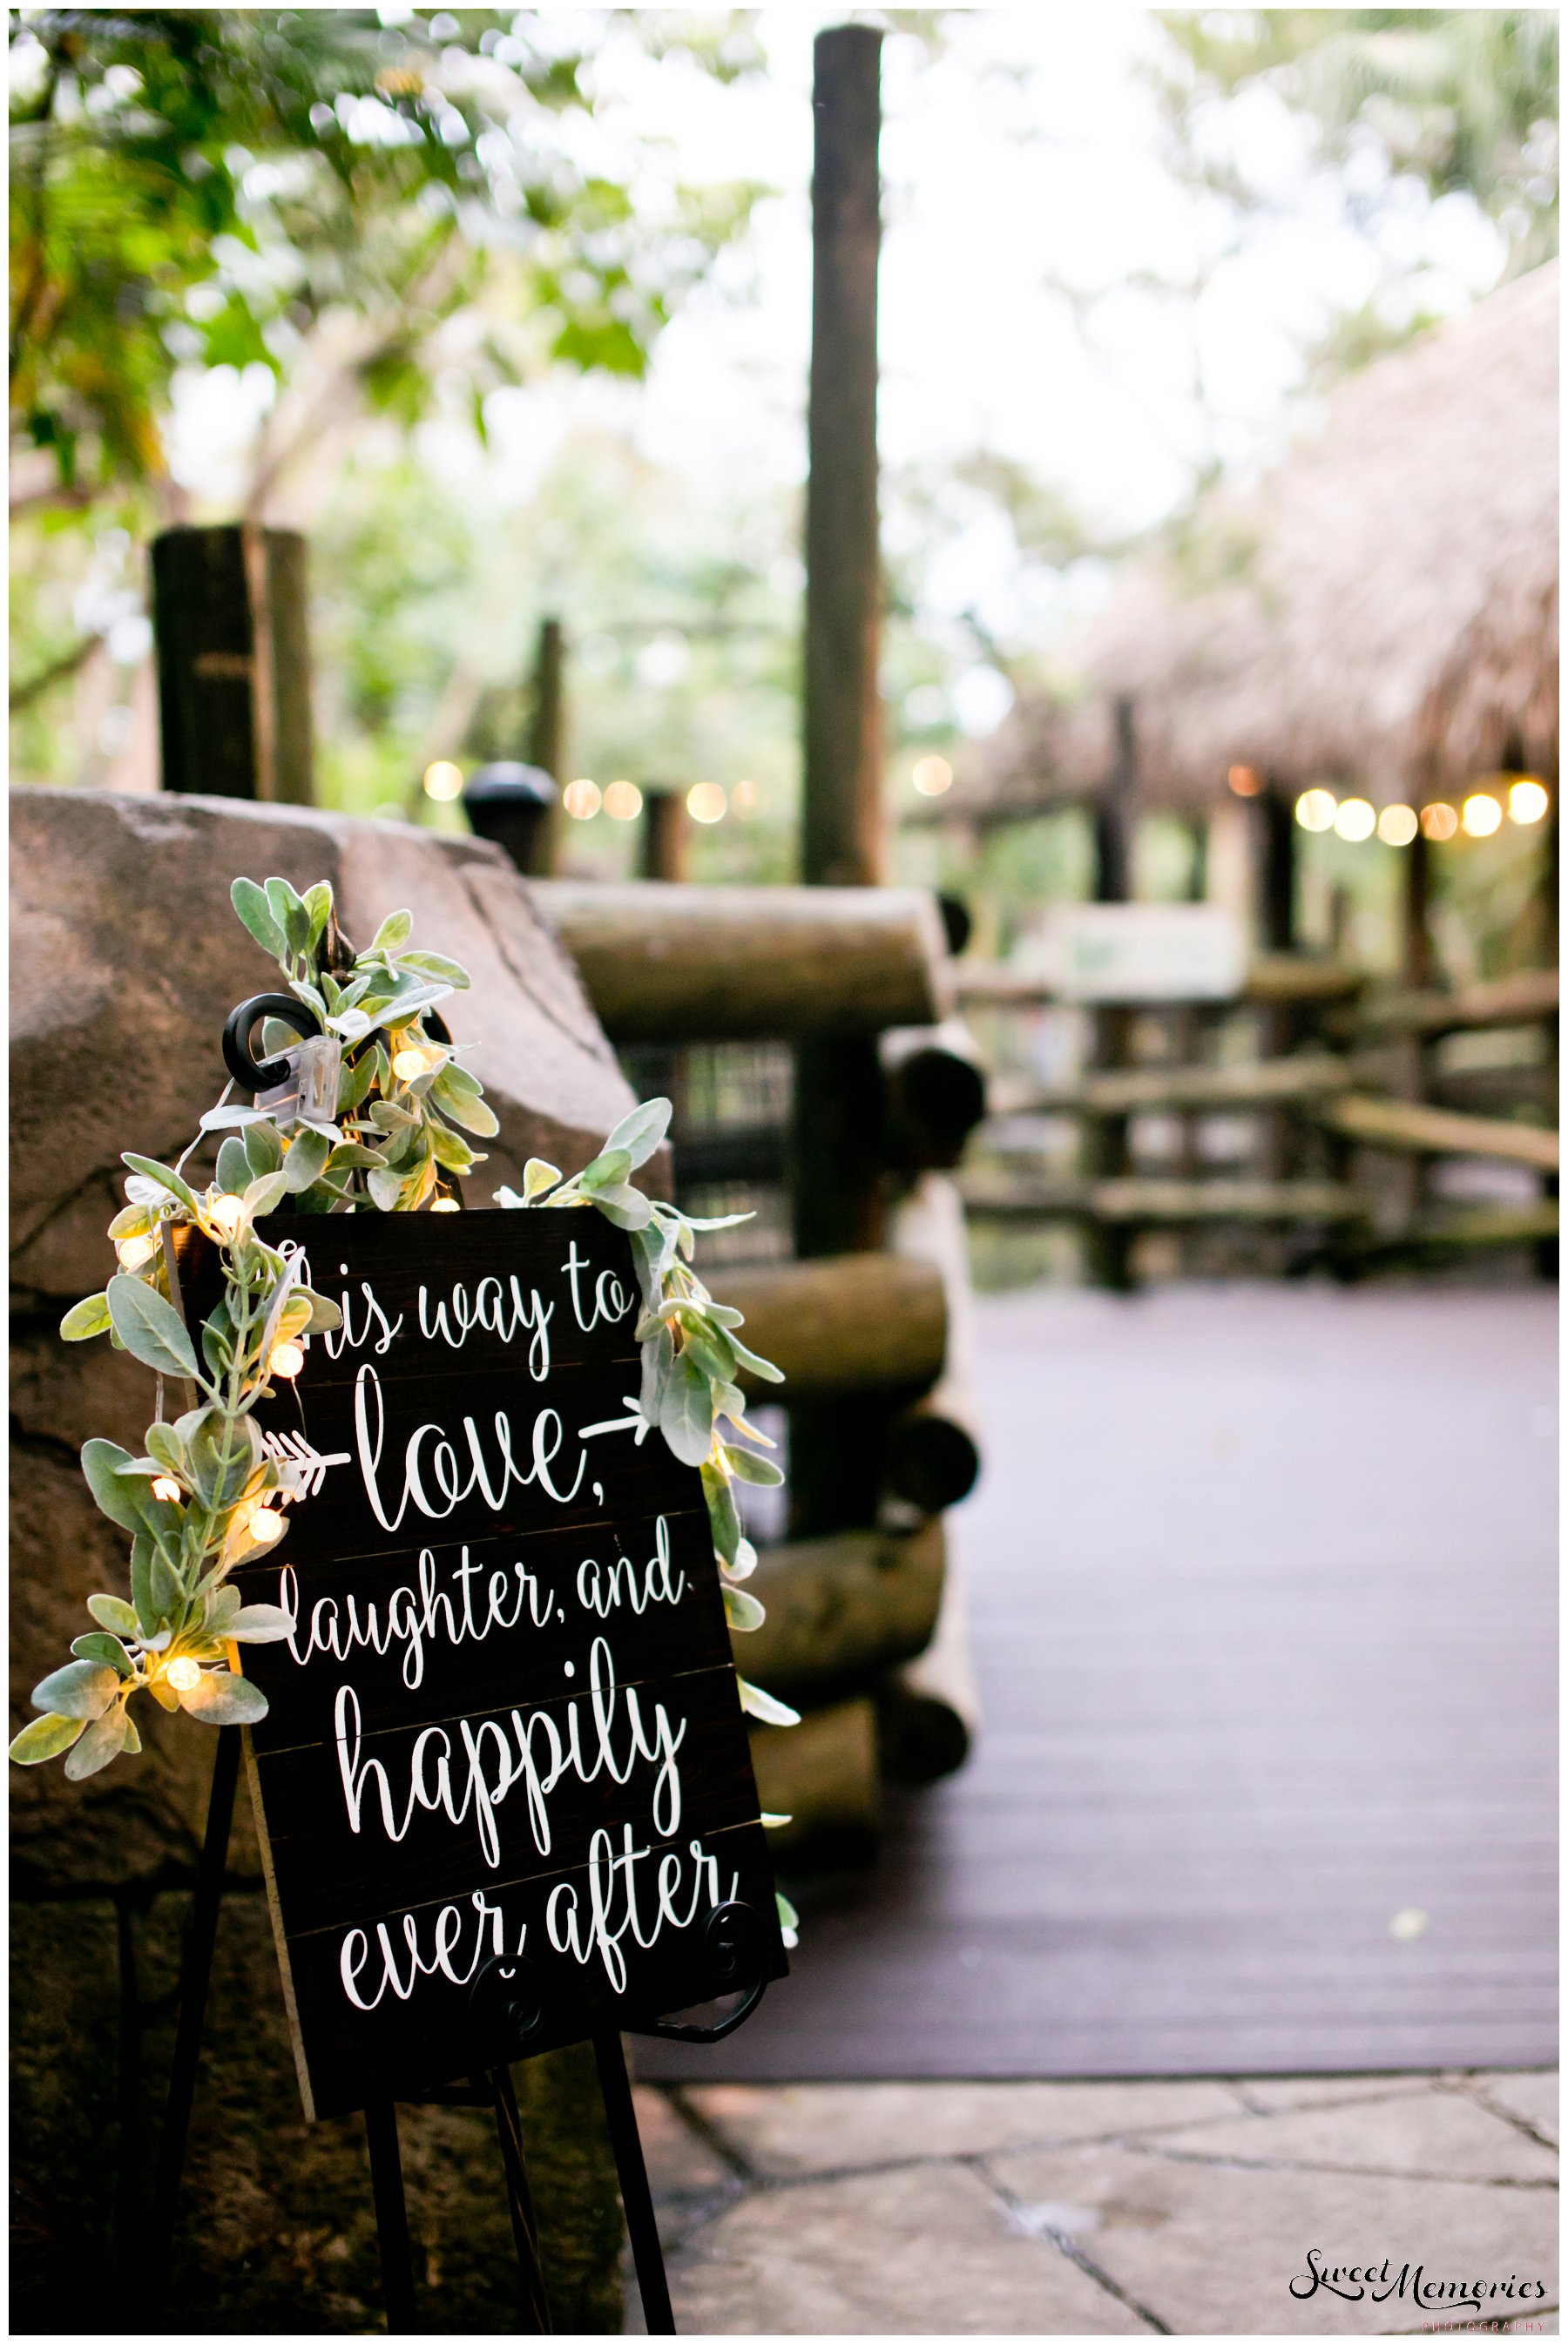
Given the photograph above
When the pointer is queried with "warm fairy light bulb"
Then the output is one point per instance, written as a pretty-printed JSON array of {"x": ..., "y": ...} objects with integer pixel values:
[
  {"x": 414, "y": 1061},
  {"x": 932, "y": 776},
  {"x": 706, "y": 801},
  {"x": 446, "y": 1205},
  {"x": 227, "y": 1213},
  {"x": 167, "y": 1488},
  {"x": 265, "y": 1527},
  {"x": 286, "y": 1359},
  {"x": 1438, "y": 821},
  {"x": 1316, "y": 809},
  {"x": 1397, "y": 825},
  {"x": 184, "y": 1674},
  {"x": 1527, "y": 800},
  {"x": 134, "y": 1251},
  {"x": 624, "y": 801},
  {"x": 443, "y": 781},
  {"x": 1481, "y": 815},
  {"x": 581, "y": 799},
  {"x": 1356, "y": 819}
]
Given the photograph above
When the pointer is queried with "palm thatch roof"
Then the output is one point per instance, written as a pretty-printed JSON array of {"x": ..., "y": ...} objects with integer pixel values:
[{"x": 1380, "y": 613}]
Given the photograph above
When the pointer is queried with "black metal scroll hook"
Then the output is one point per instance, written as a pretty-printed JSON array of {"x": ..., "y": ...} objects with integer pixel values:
[
  {"x": 250, "y": 1073},
  {"x": 506, "y": 2010},
  {"x": 733, "y": 1939}
]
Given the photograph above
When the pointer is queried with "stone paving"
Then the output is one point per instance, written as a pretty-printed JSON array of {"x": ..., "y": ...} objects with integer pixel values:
[{"x": 1180, "y": 2207}]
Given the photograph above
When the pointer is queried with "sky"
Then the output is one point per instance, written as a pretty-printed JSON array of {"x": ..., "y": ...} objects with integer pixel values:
[{"x": 1026, "y": 151}]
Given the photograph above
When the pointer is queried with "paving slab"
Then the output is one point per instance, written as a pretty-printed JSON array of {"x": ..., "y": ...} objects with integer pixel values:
[
  {"x": 1270, "y": 2092},
  {"x": 833, "y": 2128},
  {"x": 927, "y": 2251},
  {"x": 1444, "y": 2134},
  {"x": 1213, "y": 2248},
  {"x": 1535, "y": 2096},
  {"x": 680, "y": 2162}
]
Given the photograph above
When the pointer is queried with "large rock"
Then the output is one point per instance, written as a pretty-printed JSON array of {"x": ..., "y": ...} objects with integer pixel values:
[{"x": 126, "y": 957}]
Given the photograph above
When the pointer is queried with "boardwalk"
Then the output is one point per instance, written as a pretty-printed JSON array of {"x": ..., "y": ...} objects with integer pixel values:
[{"x": 1263, "y": 1608}]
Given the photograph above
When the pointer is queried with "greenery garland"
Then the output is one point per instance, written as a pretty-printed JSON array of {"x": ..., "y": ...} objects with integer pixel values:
[{"x": 205, "y": 1496}]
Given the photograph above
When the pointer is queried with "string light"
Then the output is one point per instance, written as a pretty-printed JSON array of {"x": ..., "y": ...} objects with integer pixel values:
[
  {"x": 581, "y": 800},
  {"x": 624, "y": 801},
  {"x": 1482, "y": 815},
  {"x": 229, "y": 1215},
  {"x": 932, "y": 776},
  {"x": 446, "y": 1205},
  {"x": 1315, "y": 809},
  {"x": 706, "y": 801},
  {"x": 443, "y": 781},
  {"x": 167, "y": 1488},
  {"x": 1355, "y": 820},
  {"x": 264, "y": 1527},
  {"x": 286, "y": 1359},
  {"x": 743, "y": 798},
  {"x": 1438, "y": 821},
  {"x": 417, "y": 1059},
  {"x": 1245, "y": 781},
  {"x": 1397, "y": 825},
  {"x": 134, "y": 1251},
  {"x": 1527, "y": 800},
  {"x": 184, "y": 1674}
]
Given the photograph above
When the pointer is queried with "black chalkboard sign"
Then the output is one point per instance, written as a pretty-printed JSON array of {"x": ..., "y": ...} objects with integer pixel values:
[{"x": 504, "y": 1740}]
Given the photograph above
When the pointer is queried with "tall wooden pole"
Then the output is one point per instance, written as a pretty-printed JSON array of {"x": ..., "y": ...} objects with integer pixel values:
[
  {"x": 547, "y": 738},
  {"x": 838, "y": 1177},
  {"x": 231, "y": 623},
  {"x": 843, "y": 836},
  {"x": 1109, "y": 1249}
]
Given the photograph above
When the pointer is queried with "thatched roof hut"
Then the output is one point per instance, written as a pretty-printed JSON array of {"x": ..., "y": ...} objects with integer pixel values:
[{"x": 1380, "y": 614}]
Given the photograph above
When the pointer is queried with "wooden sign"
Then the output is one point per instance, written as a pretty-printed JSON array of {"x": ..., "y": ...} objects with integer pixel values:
[{"x": 504, "y": 1763}]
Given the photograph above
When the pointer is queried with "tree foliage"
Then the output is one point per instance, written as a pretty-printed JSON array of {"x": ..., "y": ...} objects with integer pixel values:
[{"x": 319, "y": 193}]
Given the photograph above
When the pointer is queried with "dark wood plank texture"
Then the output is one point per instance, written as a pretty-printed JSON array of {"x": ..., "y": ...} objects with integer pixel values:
[{"x": 1262, "y": 1586}]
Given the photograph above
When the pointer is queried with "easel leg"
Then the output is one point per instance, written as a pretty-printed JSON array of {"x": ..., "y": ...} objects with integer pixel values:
[
  {"x": 519, "y": 2202},
  {"x": 392, "y": 2217},
  {"x": 196, "y": 1977},
  {"x": 641, "y": 2226}
]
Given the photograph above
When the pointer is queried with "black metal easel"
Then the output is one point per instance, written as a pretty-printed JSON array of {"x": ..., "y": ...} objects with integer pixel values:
[{"x": 503, "y": 2013}]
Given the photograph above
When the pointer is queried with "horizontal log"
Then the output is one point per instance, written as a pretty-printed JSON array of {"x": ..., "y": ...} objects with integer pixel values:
[
  {"x": 933, "y": 1094},
  {"x": 1133, "y": 1090},
  {"x": 672, "y": 963},
  {"x": 933, "y": 1452},
  {"x": 1271, "y": 978},
  {"x": 848, "y": 1322},
  {"x": 1008, "y": 1196},
  {"x": 1516, "y": 1000},
  {"x": 929, "y": 1711},
  {"x": 823, "y": 1774},
  {"x": 841, "y": 1609},
  {"x": 1405, "y": 1125}
]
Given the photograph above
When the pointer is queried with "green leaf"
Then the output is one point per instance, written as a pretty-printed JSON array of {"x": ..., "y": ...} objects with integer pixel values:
[
  {"x": 151, "y": 1329},
  {"x": 164, "y": 1583},
  {"x": 101, "y": 1743},
  {"x": 86, "y": 1318},
  {"x": 289, "y": 913},
  {"x": 81, "y": 1688},
  {"x": 325, "y": 1316},
  {"x": 642, "y": 1133},
  {"x": 101, "y": 1462},
  {"x": 250, "y": 902},
  {"x": 265, "y": 1195},
  {"x": 722, "y": 1516},
  {"x": 455, "y": 1154},
  {"x": 45, "y": 1737},
  {"x": 461, "y": 1100},
  {"x": 686, "y": 1412},
  {"x": 306, "y": 1160},
  {"x": 658, "y": 1354},
  {"x": 537, "y": 1177},
  {"x": 764, "y": 1369},
  {"x": 748, "y": 1467},
  {"x": 395, "y": 930},
  {"x": 107, "y": 1649},
  {"x": 608, "y": 1170},
  {"x": 763, "y": 1706},
  {"x": 713, "y": 1352},
  {"x": 263, "y": 1149},
  {"x": 742, "y": 1612},
  {"x": 318, "y": 904},
  {"x": 386, "y": 1189},
  {"x": 162, "y": 1176},
  {"x": 147, "y": 1614},
  {"x": 627, "y": 1209},
  {"x": 223, "y": 1699},
  {"x": 258, "y": 1623},
  {"x": 110, "y": 1612},
  {"x": 354, "y": 1082},
  {"x": 234, "y": 1173},
  {"x": 436, "y": 964}
]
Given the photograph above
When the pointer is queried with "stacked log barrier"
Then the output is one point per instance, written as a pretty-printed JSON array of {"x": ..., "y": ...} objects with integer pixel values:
[{"x": 866, "y": 1630}]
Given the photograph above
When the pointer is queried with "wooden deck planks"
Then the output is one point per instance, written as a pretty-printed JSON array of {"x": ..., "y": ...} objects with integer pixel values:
[{"x": 1263, "y": 1586}]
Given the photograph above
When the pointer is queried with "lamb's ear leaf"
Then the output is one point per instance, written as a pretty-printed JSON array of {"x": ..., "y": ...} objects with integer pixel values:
[
  {"x": 224, "y": 1699},
  {"x": 45, "y": 1737},
  {"x": 101, "y": 1742},
  {"x": 101, "y": 1462},
  {"x": 395, "y": 930},
  {"x": 81, "y": 1688},
  {"x": 101, "y": 1646},
  {"x": 250, "y": 902},
  {"x": 152, "y": 1170},
  {"x": 686, "y": 1412},
  {"x": 150, "y": 1328},
  {"x": 748, "y": 1467},
  {"x": 764, "y": 1707},
  {"x": 628, "y": 1209},
  {"x": 742, "y": 1612},
  {"x": 86, "y": 1318},
  {"x": 109, "y": 1611},
  {"x": 642, "y": 1133},
  {"x": 258, "y": 1623}
]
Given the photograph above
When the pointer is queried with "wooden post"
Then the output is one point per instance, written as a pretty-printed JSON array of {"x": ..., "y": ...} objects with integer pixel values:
[
  {"x": 1416, "y": 953},
  {"x": 547, "y": 738},
  {"x": 231, "y": 625},
  {"x": 1276, "y": 868},
  {"x": 1109, "y": 1247},
  {"x": 666, "y": 833}
]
